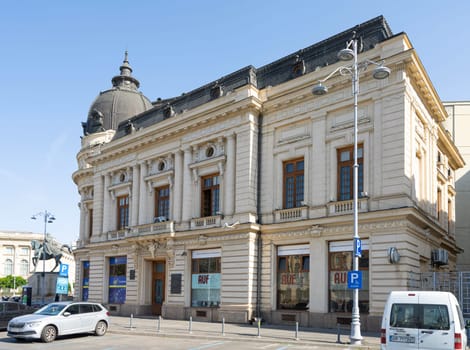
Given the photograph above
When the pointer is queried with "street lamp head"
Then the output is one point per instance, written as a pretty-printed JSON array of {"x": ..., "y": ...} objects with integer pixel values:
[
  {"x": 33, "y": 217},
  {"x": 319, "y": 89},
  {"x": 381, "y": 72},
  {"x": 345, "y": 54}
]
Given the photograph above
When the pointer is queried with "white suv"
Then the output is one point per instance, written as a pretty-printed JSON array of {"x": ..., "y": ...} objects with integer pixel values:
[{"x": 61, "y": 318}]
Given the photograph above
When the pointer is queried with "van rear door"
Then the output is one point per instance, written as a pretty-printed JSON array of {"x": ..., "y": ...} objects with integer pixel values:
[
  {"x": 436, "y": 323},
  {"x": 404, "y": 321}
]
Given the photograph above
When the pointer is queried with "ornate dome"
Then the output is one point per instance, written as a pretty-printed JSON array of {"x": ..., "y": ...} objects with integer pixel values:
[{"x": 117, "y": 104}]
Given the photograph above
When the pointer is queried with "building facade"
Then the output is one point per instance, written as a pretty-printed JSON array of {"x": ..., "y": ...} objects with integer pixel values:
[
  {"x": 16, "y": 255},
  {"x": 458, "y": 124},
  {"x": 235, "y": 199}
]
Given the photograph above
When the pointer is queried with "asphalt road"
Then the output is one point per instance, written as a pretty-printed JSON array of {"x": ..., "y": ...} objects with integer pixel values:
[{"x": 112, "y": 341}]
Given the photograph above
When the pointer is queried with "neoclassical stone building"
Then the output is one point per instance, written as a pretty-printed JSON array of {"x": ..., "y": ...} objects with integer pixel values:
[{"x": 234, "y": 200}]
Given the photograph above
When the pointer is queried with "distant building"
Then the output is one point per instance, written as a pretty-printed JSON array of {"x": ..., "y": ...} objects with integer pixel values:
[
  {"x": 458, "y": 124},
  {"x": 235, "y": 199},
  {"x": 16, "y": 256}
]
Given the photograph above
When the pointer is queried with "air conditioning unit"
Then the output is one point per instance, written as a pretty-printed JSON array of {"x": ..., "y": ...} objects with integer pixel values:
[{"x": 439, "y": 257}]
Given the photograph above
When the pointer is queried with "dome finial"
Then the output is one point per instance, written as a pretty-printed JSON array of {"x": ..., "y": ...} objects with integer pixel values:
[{"x": 125, "y": 57}]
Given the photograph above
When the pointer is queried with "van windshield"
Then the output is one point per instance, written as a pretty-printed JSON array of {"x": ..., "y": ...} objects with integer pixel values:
[{"x": 423, "y": 316}]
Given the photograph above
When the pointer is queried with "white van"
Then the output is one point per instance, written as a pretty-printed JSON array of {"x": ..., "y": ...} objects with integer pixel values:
[{"x": 422, "y": 320}]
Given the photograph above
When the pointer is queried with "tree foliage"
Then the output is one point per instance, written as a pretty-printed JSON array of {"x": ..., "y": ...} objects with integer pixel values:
[{"x": 12, "y": 282}]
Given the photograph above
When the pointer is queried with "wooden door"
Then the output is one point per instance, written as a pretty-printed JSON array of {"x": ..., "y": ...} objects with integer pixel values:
[{"x": 158, "y": 286}]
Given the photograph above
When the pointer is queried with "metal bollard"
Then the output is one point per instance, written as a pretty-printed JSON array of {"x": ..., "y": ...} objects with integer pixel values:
[
  {"x": 259, "y": 327},
  {"x": 159, "y": 321},
  {"x": 223, "y": 325},
  {"x": 130, "y": 321},
  {"x": 296, "y": 330},
  {"x": 190, "y": 324}
]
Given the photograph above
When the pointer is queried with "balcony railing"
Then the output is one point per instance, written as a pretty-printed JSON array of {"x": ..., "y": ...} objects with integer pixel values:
[
  {"x": 206, "y": 222},
  {"x": 347, "y": 207},
  {"x": 142, "y": 230},
  {"x": 291, "y": 214}
]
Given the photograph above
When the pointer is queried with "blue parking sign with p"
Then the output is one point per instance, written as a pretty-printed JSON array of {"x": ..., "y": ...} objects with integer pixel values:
[
  {"x": 355, "y": 279},
  {"x": 64, "y": 270}
]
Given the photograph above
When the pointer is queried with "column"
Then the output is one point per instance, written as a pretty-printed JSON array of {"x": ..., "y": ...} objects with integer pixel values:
[
  {"x": 83, "y": 224},
  {"x": 187, "y": 186},
  {"x": 229, "y": 194},
  {"x": 107, "y": 202},
  {"x": 98, "y": 205},
  {"x": 143, "y": 194},
  {"x": 177, "y": 200},
  {"x": 135, "y": 195}
]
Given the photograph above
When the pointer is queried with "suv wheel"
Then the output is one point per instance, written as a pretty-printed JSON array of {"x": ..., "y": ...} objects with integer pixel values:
[
  {"x": 101, "y": 328},
  {"x": 49, "y": 333}
]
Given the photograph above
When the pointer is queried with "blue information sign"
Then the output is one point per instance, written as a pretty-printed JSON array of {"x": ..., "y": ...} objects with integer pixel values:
[
  {"x": 357, "y": 247},
  {"x": 355, "y": 279},
  {"x": 62, "y": 285}
]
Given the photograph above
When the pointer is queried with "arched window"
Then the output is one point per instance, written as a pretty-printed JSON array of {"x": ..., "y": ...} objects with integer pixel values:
[
  {"x": 24, "y": 267},
  {"x": 8, "y": 269}
]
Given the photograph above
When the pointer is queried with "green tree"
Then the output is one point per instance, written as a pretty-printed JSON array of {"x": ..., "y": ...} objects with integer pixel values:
[{"x": 11, "y": 282}]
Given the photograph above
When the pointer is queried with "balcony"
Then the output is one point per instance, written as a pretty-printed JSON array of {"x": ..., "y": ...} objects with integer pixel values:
[
  {"x": 291, "y": 214},
  {"x": 206, "y": 222},
  {"x": 347, "y": 207},
  {"x": 143, "y": 230}
]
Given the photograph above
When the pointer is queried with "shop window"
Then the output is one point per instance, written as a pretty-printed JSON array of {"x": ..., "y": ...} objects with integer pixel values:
[
  {"x": 340, "y": 262},
  {"x": 346, "y": 172},
  {"x": 293, "y": 282},
  {"x": 205, "y": 278},
  {"x": 210, "y": 194},
  {"x": 293, "y": 184},
  {"x": 85, "y": 280},
  {"x": 117, "y": 280}
]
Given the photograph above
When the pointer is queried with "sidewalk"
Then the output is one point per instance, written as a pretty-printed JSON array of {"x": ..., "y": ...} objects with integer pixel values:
[{"x": 231, "y": 331}]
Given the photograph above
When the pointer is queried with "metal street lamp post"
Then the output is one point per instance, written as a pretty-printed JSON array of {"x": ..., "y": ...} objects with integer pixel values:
[
  {"x": 380, "y": 72},
  {"x": 48, "y": 218}
]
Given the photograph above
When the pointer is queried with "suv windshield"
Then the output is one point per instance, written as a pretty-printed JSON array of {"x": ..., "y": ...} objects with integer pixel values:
[{"x": 51, "y": 309}]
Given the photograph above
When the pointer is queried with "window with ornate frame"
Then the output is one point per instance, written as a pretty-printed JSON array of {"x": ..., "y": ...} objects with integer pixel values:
[
  {"x": 123, "y": 212},
  {"x": 162, "y": 202},
  {"x": 293, "y": 183},
  {"x": 24, "y": 267},
  {"x": 345, "y": 157},
  {"x": 8, "y": 267},
  {"x": 210, "y": 195}
]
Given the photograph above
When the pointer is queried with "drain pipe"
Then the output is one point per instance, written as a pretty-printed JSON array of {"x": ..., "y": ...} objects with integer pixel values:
[{"x": 259, "y": 240}]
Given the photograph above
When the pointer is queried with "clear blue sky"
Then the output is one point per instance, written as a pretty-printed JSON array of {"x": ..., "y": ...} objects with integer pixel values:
[{"x": 56, "y": 56}]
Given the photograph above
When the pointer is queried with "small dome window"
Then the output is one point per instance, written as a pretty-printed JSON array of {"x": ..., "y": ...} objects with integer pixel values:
[
  {"x": 210, "y": 151},
  {"x": 161, "y": 165},
  {"x": 122, "y": 177}
]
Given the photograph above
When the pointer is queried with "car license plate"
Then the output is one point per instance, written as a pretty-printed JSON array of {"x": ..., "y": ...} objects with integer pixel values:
[{"x": 402, "y": 339}]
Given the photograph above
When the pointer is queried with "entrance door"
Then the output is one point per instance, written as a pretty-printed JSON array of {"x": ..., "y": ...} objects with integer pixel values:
[{"x": 158, "y": 286}]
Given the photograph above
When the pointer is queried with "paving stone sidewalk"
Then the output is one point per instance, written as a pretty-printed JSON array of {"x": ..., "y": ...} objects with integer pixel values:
[{"x": 216, "y": 330}]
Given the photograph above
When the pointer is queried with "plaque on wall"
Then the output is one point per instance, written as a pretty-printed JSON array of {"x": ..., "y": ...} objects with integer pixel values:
[{"x": 176, "y": 283}]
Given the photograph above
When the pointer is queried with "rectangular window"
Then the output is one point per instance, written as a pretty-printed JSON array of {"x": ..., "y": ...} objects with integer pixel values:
[
  {"x": 162, "y": 203},
  {"x": 346, "y": 173},
  {"x": 90, "y": 222},
  {"x": 293, "y": 282},
  {"x": 205, "y": 278},
  {"x": 422, "y": 316},
  {"x": 85, "y": 280},
  {"x": 9, "y": 250},
  {"x": 123, "y": 212},
  {"x": 340, "y": 262},
  {"x": 24, "y": 251},
  {"x": 293, "y": 183},
  {"x": 117, "y": 280},
  {"x": 210, "y": 194}
]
